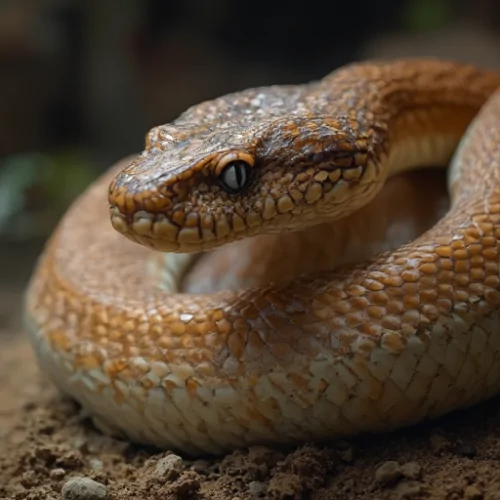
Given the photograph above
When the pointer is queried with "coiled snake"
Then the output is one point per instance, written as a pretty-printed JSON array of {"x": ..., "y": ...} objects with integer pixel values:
[{"x": 408, "y": 334}]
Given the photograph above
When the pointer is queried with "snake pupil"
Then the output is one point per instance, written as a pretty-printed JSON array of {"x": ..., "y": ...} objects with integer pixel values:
[{"x": 235, "y": 176}]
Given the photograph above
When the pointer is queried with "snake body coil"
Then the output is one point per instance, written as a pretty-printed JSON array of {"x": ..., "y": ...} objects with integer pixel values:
[{"x": 409, "y": 334}]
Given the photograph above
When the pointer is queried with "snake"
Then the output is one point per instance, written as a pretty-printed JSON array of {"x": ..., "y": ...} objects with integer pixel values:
[{"x": 330, "y": 348}]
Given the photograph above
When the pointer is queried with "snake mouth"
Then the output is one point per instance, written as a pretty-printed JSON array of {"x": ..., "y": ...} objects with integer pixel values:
[
  {"x": 154, "y": 231},
  {"x": 194, "y": 234}
]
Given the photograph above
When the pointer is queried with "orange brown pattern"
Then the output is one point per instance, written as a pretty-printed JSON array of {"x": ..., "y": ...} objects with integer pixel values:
[{"x": 409, "y": 334}]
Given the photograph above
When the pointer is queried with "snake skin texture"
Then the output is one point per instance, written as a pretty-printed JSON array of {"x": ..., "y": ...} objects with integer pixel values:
[{"x": 408, "y": 334}]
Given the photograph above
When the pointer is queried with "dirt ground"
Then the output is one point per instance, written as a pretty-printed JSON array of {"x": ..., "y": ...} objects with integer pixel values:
[{"x": 45, "y": 441}]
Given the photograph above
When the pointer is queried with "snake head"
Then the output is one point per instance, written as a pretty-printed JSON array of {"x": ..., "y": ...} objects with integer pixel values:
[{"x": 189, "y": 193}]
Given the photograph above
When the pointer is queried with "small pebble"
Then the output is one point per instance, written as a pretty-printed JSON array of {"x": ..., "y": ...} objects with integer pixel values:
[
  {"x": 347, "y": 455},
  {"x": 169, "y": 466},
  {"x": 96, "y": 464},
  {"x": 349, "y": 484},
  {"x": 83, "y": 488},
  {"x": 28, "y": 478},
  {"x": 411, "y": 470},
  {"x": 472, "y": 492},
  {"x": 409, "y": 489},
  {"x": 256, "y": 487},
  {"x": 389, "y": 472},
  {"x": 58, "y": 473},
  {"x": 79, "y": 443},
  {"x": 439, "y": 443}
]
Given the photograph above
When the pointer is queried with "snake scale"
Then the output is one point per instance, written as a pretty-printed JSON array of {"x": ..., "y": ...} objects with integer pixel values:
[{"x": 405, "y": 335}]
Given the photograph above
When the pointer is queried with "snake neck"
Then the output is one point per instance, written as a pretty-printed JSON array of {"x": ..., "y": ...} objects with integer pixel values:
[{"x": 414, "y": 111}]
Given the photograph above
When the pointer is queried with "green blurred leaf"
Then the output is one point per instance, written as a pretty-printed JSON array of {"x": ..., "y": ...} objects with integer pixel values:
[
  {"x": 36, "y": 189},
  {"x": 427, "y": 14}
]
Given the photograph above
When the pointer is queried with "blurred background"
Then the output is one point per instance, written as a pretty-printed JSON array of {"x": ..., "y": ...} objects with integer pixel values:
[{"x": 81, "y": 82}]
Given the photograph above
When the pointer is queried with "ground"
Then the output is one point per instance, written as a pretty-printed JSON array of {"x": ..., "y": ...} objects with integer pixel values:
[{"x": 45, "y": 440}]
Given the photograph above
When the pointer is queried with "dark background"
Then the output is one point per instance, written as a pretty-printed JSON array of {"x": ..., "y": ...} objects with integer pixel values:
[{"x": 81, "y": 82}]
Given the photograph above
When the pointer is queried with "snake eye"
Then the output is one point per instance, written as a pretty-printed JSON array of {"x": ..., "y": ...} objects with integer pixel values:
[{"x": 235, "y": 176}]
